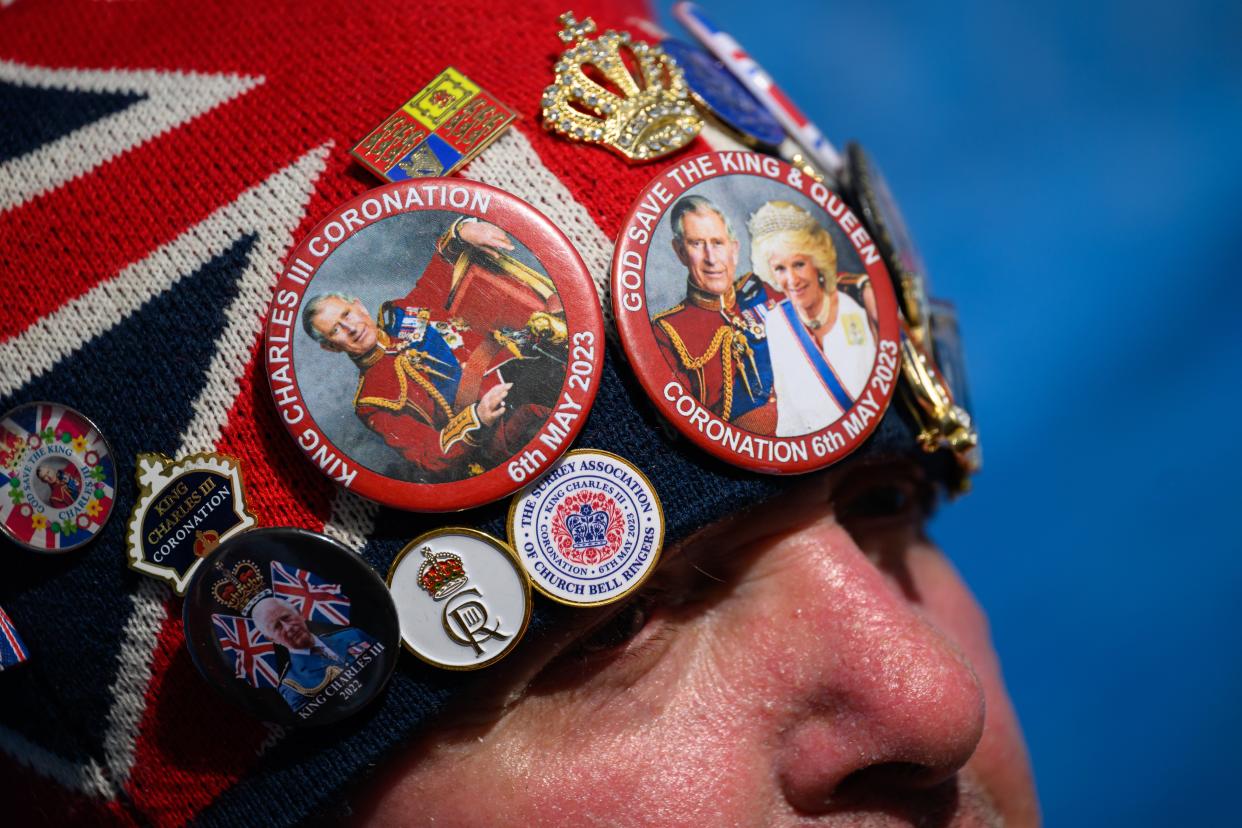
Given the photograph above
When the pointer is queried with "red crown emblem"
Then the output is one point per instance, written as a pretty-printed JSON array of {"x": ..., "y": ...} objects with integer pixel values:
[
  {"x": 441, "y": 574},
  {"x": 241, "y": 588},
  {"x": 204, "y": 542}
]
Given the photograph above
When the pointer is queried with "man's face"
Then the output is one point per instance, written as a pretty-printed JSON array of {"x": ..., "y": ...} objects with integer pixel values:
[
  {"x": 284, "y": 625},
  {"x": 345, "y": 326},
  {"x": 706, "y": 250},
  {"x": 814, "y": 662}
]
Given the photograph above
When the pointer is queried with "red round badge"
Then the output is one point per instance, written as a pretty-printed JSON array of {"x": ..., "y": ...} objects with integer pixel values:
[
  {"x": 434, "y": 344},
  {"x": 757, "y": 312}
]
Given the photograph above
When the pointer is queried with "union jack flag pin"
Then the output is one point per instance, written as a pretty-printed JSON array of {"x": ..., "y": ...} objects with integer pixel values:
[{"x": 12, "y": 650}]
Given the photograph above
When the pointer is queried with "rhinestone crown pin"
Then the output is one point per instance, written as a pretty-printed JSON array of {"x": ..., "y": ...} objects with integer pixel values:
[{"x": 641, "y": 114}]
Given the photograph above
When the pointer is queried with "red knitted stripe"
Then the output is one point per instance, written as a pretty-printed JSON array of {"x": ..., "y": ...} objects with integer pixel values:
[{"x": 193, "y": 743}]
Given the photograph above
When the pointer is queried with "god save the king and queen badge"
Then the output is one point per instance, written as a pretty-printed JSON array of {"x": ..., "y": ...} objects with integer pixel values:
[
  {"x": 757, "y": 312},
  {"x": 434, "y": 344}
]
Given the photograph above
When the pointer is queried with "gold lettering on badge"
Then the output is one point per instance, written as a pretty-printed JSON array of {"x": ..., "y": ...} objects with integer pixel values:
[{"x": 466, "y": 621}]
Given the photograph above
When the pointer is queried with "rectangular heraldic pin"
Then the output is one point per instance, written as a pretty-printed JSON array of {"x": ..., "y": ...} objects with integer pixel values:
[{"x": 436, "y": 132}]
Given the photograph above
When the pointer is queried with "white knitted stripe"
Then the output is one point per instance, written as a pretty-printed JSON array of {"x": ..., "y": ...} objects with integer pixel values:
[
  {"x": 84, "y": 777},
  {"x": 268, "y": 211},
  {"x": 172, "y": 98},
  {"x": 57, "y": 335},
  {"x": 512, "y": 164},
  {"x": 133, "y": 674},
  {"x": 352, "y": 519},
  {"x": 719, "y": 140}
]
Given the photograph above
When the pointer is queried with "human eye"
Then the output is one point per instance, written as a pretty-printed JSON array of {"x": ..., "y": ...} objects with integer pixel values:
[
  {"x": 883, "y": 496},
  {"x": 621, "y": 646},
  {"x": 618, "y": 630}
]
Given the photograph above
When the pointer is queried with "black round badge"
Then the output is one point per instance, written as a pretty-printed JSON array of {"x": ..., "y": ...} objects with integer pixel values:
[{"x": 291, "y": 625}]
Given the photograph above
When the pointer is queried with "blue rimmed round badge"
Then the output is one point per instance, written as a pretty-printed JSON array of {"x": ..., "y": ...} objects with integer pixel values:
[
  {"x": 715, "y": 90},
  {"x": 589, "y": 532}
]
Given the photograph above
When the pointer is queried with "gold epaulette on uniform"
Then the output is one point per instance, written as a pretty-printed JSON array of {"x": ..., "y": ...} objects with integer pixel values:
[{"x": 668, "y": 311}]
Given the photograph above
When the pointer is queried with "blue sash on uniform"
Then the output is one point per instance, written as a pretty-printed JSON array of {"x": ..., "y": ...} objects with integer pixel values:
[{"x": 816, "y": 357}]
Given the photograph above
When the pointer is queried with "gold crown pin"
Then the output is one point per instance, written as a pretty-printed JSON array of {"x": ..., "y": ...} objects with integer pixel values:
[{"x": 639, "y": 117}]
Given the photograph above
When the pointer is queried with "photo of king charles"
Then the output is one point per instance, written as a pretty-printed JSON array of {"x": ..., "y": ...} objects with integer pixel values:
[
  {"x": 714, "y": 340},
  {"x": 463, "y": 371},
  {"x": 314, "y": 659}
]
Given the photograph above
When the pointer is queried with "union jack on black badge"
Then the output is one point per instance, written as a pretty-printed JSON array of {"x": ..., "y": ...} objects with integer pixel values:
[
  {"x": 310, "y": 595},
  {"x": 254, "y": 654}
]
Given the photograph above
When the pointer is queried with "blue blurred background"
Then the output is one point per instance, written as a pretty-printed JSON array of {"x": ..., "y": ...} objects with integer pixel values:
[{"x": 1073, "y": 173}]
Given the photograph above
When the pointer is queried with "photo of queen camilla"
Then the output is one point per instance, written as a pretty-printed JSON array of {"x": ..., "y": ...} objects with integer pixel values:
[{"x": 820, "y": 340}]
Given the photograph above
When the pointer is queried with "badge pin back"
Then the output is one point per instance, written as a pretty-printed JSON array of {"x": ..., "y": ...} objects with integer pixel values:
[
  {"x": 800, "y": 397},
  {"x": 59, "y": 476},
  {"x": 463, "y": 598},
  {"x": 292, "y": 626},
  {"x": 437, "y": 132},
  {"x": 590, "y": 531},
  {"x": 12, "y": 651},
  {"x": 888, "y": 227},
  {"x": 646, "y": 117},
  {"x": 185, "y": 508},
  {"x": 721, "y": 96},
  {"x": 435, "y": 422}
]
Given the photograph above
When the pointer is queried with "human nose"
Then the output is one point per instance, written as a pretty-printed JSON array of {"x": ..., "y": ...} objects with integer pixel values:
[{"x": 872, "y": 700}]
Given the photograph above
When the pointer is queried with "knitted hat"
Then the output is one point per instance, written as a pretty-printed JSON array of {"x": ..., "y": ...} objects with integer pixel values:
[{"x": 157, "y": 163}]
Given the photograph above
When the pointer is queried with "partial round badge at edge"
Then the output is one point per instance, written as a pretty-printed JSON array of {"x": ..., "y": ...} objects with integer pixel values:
[
  {"x": 292, "y": 626},
  {"x": 434, "y": 344},
  {"x": 723, "y": 97},
  {"x": 783, "y": 365},
  {"x": 884, "y": 219},
  {"x": 462, "y": 597},
  {"x": 59, "y": 476},
  {"x": 590, "y": 531}
]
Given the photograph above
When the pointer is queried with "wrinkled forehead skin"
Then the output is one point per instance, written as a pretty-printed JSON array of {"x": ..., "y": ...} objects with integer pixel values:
[{"x": 816, "y": 659}]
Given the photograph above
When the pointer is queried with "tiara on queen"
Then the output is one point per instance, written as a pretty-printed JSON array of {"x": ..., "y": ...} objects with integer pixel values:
[
  {"x": 780, "y": 217},
  {"x": 639, "y": 118}
]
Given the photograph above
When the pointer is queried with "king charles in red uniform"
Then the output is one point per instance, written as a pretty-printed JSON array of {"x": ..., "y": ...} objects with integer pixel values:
[
  {"x": 714, "y": 340},
  {"x": 438, "y": 368}
]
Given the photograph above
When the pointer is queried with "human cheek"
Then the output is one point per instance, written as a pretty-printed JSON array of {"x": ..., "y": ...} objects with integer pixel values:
[{"x": 641, "y": 739}]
